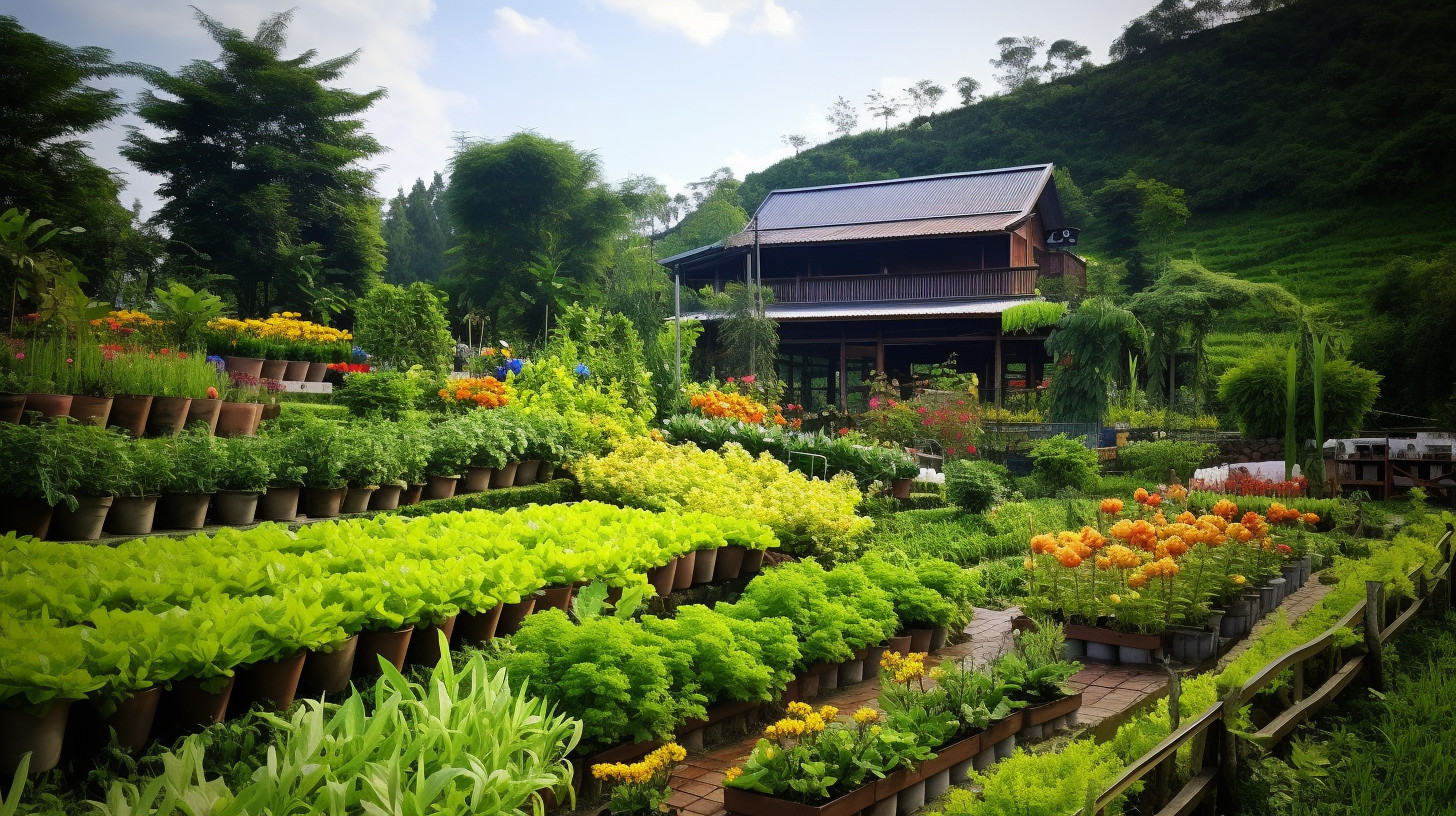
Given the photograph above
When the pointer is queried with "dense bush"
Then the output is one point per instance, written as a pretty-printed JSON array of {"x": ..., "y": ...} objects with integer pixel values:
[
  {"x": 387, "y": 394},
  {"x": 975, "y": 485},
  {"x": 866, "y": 463},
  {"x": 1060, "y": 462},
  {"x": 1151, "y": 461},
  {"x": 404, "y": 326},
  {"x": 1254, "y": 393}
]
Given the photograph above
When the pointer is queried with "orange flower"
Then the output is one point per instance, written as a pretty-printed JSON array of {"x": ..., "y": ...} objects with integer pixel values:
[
  {"x": 1140, "y": 496},
  {"x": 1069, "y": 558},
  {"x": 1311, "y": 518},
  {"x": 1225, "y": 509},
  {"x": 1044, "y": 543},
  {"x": 1111, "y": 507},
  {"x": 1177, "y": 493}
]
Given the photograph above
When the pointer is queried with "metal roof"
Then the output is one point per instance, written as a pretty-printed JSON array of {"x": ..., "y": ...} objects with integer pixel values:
[
  {"x": 960, "y": 225},
  {"x": 1005, "y": 191},
  {"x": 879, "y": 309}
]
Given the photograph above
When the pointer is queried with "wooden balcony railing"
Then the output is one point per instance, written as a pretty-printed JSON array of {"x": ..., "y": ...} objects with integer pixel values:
[{"x": 919, "y": 286}]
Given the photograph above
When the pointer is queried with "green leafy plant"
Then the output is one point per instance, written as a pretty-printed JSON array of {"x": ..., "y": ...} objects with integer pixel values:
[
  {"x": 1029, "y": 317},
  {"x": 1060, "y": 462},
  {"x": 196, "y": 457},
  {"x": 976, "y": 485},
  {"x": 144, "y": 467},
  {"x": 371, "y": 454},
  {"x": 404, "y": 326},
  {"x": 1151, "y": 461},
  {"x": 186, "y": 314},
  {"x": 248, "y": 463},
  {"x": 387, "y": 394}
]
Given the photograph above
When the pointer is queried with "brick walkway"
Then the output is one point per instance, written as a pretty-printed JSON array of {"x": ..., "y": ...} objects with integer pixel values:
[{"x": 1110, "y": 695}]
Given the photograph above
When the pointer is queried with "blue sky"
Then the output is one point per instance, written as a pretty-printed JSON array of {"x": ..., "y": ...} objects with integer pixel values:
[{"x": 668, "y": 88}]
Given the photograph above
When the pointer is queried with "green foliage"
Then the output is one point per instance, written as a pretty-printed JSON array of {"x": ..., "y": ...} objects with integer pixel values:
[
  {"x": 1060, "y": 462},
  {"x": 295, "y": 173},
  {"x": 415, "y": 232},
  {"x": 975, "y": 485},
  {"x": 195, "y": 461},
  {"x": 386, "y": 394},
  {"x": 1089, "y": 346},
  {"x": 1415, "y": 301},
  {"x": 1029, "y": 317},
  {"x": 404, "y": 326},
  {"x": 1151, "y": 461},
  {"x": 186, "y": 313},
  {"x": 1047, "y": 783},
  {"x": 318, "y": 446},
  {"x": 728, "y": 654},
  {"x": 866, "y": 463},
  {"x": 371, "y": 454},
  {"x": 553, "y": 492},
  {"x": 608, "y": 345},
  {"x": 145, "y": 466},
  {"x": 1255, "y": 390},
  {"x": 247, "y": 463},
  {"x": 833, "y": 613}
]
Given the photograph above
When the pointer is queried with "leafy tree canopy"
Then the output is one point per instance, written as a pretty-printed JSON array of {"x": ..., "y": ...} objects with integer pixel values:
[
  {"x": 1255, "y": 391},
  {"x": 261, "y": 160}
]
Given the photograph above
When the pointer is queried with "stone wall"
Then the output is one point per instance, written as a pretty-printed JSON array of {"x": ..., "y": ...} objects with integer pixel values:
[{"x": 1251, "y": 450}]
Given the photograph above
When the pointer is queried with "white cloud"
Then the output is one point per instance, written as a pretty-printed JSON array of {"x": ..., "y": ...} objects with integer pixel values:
[
  {"x": 744, "y": 162},
  {"x": 703, "y": 21},
  {"x": 518, "y": 34}
]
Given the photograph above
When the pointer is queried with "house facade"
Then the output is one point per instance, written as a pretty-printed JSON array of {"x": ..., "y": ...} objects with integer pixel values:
[{"x": 897, "y": 276}]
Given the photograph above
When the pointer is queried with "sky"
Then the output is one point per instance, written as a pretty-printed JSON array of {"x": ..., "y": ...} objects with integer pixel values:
[{"x": 673, "y": 89}]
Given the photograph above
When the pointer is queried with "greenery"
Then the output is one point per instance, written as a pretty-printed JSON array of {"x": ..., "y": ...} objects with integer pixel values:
[
  {"x": 386, "y": 394},
  {"x": 247, "y": 464},
  {"x": 840, "y": 454},
  {"x": 404, "y": 326},
  {"x": 1060, "y": 462},
  {"x": 1151, "y": 461},
  {"x": 975, "y": 485},
  {"x": 196, "y": 462},
  {"x": 1089, "y": 345},
  {"x": 1254, "y": 392}
]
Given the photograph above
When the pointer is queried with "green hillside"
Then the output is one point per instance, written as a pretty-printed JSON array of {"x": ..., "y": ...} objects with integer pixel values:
[{"x": 1314, "y": 141}]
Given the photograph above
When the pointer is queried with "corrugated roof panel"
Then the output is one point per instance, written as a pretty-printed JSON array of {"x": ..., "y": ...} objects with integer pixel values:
[
  {"x": 960, "y": 225},
  {"x": 880, "y": 309},
  {"x": 1011, "y": 190}
]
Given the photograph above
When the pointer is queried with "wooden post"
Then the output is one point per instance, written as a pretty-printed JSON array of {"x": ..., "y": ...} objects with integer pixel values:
[
  {"x": 1374, "y": 612},
  {"x": 843, "y": 375},
  {"x": 1228, "y": 749},
  {"x": 996, "y": 373},
  {"x": 1299, "y": 681},
  {"x": 880, "y": 352},
  {"x": 1175, "y": 690}
]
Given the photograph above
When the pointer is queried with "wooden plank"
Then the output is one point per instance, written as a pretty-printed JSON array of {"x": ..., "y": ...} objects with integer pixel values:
[
  {"x": 1168, "y": 747},
  {"x": 1192, "y": 794},
  {"x": 1281, "y": 726},
  {"x": 1399, "y": 623},
  {"x": 1296, "y": 655}
]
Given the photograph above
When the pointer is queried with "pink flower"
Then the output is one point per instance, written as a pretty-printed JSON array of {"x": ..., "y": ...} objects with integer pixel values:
[
  {"x": 874, "y": 402},
  {"x": 730, "y": 380},
  {"x": 748, "y": 380},
  {"x": 922, "y": 410},
  {"x": 20, "y": 355}
]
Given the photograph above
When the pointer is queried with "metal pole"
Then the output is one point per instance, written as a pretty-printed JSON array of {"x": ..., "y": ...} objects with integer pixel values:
[{"x": 677, "y": 331}]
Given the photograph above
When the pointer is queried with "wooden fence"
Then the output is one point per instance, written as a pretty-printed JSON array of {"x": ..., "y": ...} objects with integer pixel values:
[{"x": 1210, "y": 734}]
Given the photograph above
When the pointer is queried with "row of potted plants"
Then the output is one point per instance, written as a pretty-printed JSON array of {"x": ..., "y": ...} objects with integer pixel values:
[
  {"x": 187, "y": 614},
  {"x": 282, "y": 346},
  {"x": 1155, "y": 569},
  {"x": 71, "y": 480}
]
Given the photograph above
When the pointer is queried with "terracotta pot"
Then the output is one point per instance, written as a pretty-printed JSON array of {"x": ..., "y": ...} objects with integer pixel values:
[
  {"x": 252, "y": 366},
  {"x": 183, "y": 511},
  {"x": 900, "y": 488},
  {"x": 50, "y": 406},
  {"x": 296, "y": 371},
  {"x": 705, "y": 565},
  {"x": 439, "y": 487},
  {"x": 278, "y": 504},
  {"x": 269, "y": 411},
  {"x": 129, "y": 412},
  {"x": 12, "y": 408},
  {"x": 424, "y": 645},
  {"x": 752, "y": 562},
  {"x": 900, "y": 644},
  {"x": 132, "y": 515},
  {"x": 328, "y": 672},
  {"x": 205, "y": 410},
  {"x": 316, "y": 372},
  {"x": 938, "y": 636},
  {"x": 548, "y": 469},
  {"x": 476, "y": 479},
  {"x": 527, "y": 472},
  {"x": 133, "y": 718},
  {"x": 410, "y": 495},
  {"x": 386, "y": 497},
  {"x": 809, "y": 686},
  {"x": 272, "y": 683},
  {"x": 323, "y": 502},
  {"x": 682, "y": 576},
  {"x": 662, "y": 578},
  {"x": 555, "y": 597},
  {"x": 274, "y": 370},
  {"x": 187, "y": 708},
  {"x": 504, "y": 477},
  {"x": 90, "y": 410},
  {"x": 356, "y": 499},
  {"x": 235, "y": 508},
  {"x": 730, "y": 562},
  {"x": 168, "y": 415},
  {"x": 26, "y": 517},
  {"x": 473, "y": 628},
  {"x": 391, "y": 646},
  {"x": 82, "y": 524},
  {"x": 41, "y": 736},
  {"x": 512, "y": 615},
  {"x": 238, "y": 418}
]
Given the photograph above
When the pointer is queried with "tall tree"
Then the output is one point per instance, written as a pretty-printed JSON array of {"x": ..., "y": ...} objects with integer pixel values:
[
  {"x": 45, "y": 107},
  {"x": 969, "y": 89},
  {"x": 522, "y": 207},
  {"x": 1137, "y": 217},
  {"x": 262, "y": 162},
  {"x": 923, "y": 96},
  {"x": 1066, "y": 57},
  {"x": 1017, "y": 62},
  {"x": 842, "y": 117},
  {"x": 795, "y": 140},
  {"x": 883, "y": 107}
]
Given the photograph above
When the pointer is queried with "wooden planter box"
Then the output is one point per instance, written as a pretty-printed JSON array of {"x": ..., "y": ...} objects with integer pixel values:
[
  {"x": 750, "y": 803},
  {"x": 1002, "y": 728},
  {"x": 717, "y": 714},
  {"x": 1046, "y": 712},
  {"x": 1097, "y": 634}
]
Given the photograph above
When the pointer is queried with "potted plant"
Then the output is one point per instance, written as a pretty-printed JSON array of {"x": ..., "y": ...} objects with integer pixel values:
[
  {"x": 248, "y": 466},
  {"x": 42, "y": 671},
  {"x": 143, "y": 468},
  {"x": 280, "y": 502},
  {"x": 47, "y": 372},
  {"x": 320, "y": 447},
  {"x": 371, "y": 459},
  {"x": 29, "y": 490},
  {"x": 187, "y": 491},
  {"x": 83, "y": 466},
  {"x": 546, "y": 435},
  {"x": 451, "y": 449},
  {"x": 241, "y": 409},
  {"x": 641, "y": 788},
  {"x": 412, "y": 448}
]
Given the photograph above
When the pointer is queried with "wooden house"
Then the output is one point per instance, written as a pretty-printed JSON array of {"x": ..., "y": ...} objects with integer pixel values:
[{"x": 896, "y": 276}]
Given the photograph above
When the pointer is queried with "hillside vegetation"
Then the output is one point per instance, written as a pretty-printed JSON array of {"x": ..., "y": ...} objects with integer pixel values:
[{"x": 1315, "y": 143}]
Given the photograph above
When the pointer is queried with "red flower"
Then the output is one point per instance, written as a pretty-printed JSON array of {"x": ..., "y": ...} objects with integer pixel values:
[
  {"x": 844, "y": 432},
  {"x": 748, "y": 380}
]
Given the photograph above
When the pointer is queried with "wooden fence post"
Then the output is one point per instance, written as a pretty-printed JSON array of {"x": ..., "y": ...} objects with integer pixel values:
[
  {"x": 1374, "y": 613},
  {"x": 1228, "y": 748}
]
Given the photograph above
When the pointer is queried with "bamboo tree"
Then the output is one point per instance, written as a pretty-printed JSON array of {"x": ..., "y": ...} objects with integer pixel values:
[{"x": 1291, "y": 394}]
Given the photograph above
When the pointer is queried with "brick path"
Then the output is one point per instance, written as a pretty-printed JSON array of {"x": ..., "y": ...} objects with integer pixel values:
[{"x": 1110, "y": 695}]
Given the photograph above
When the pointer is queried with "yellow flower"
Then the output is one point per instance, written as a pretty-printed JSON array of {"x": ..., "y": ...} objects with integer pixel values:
[
  {"x": 828, "y": 712},
  {"x": 1239, "y": 579},
  {"x": 732, "y": 773},
  {"x": 799, "y": 709},
  {"x": 866, "y": 715},
  {"x": 1117, "y": 599}
]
